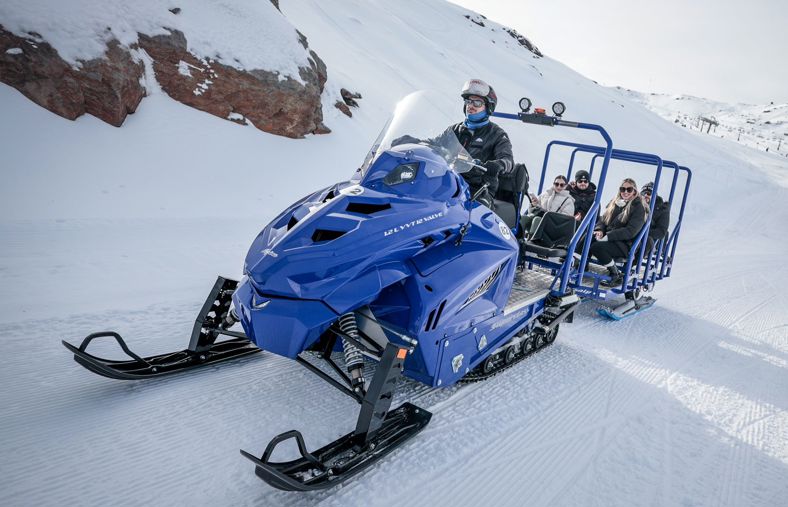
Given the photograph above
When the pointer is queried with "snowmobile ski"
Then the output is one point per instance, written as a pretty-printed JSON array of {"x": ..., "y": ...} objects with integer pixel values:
[
  {"x": 627, "y": 309},
  {"x": 378, "y": 432},
  {"x": 213, "y": 320}
]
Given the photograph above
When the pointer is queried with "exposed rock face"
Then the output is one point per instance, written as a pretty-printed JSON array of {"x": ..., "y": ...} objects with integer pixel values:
[
  {"x": 284, "y": 107},
  {"x": 523, "y": 42},
  {"x": 348, "y": 101},
  {"x": 108, "y": 88}
]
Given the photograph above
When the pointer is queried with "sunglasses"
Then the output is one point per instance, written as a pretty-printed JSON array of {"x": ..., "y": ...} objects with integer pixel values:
[
  {"x": 646, "y": 192},
  {"x": 626, "y": 189},
  {"x": 582, "y": 181},
  {"x": 559, "y": 184},
  {"x": 474, "y": 102}
]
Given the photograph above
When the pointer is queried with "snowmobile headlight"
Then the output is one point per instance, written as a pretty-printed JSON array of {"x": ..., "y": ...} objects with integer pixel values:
[
  {"x": 559, "y": 108},
  {"x": 525, "y": 104},
  {"x": 402, "y": 174}
]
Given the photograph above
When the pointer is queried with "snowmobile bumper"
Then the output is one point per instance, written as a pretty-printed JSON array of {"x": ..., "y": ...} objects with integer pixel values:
[{"x": 203, "y": 347}]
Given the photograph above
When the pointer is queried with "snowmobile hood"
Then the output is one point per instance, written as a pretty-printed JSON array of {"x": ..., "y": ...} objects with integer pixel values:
[{"x": 359, "y": 231}]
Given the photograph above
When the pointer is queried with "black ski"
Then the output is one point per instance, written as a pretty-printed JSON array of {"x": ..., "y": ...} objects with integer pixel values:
[
  {"x": 203, "y": 347},
  {"x": 378, "y": 432}
]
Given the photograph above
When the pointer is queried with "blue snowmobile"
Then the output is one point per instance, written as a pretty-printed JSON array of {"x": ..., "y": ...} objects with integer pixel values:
[{"x": 399, "y": 268}]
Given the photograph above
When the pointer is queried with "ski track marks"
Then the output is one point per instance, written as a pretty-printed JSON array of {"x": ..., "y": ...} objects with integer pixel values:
[{"x": 687, "y": 404}]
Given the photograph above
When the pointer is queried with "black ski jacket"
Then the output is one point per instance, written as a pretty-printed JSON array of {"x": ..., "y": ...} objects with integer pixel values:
[
  {"x": 583, "y": 199},
  {"x": 488, "y": 144},
  {"x": 659, "y": 222},
  {"x": 617, "y": 229}
]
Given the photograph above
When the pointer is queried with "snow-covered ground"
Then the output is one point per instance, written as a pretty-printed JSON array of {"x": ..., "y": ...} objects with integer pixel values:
[
  {"x": 126, "y": 229},
  {"x": 758, "y": 126}
]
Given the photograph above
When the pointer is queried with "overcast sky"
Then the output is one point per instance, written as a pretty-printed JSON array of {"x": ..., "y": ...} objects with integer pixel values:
[{"x": 733, "y": 51}]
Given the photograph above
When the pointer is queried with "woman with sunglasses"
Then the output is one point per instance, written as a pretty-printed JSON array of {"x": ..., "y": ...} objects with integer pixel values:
[
  {"x": 617, "y": 228},
  {"x": 555, "y": 198}
]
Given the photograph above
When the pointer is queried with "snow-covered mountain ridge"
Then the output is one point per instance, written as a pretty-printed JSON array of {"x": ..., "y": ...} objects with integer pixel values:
[
  {"x": 763, "y": 127},
  {"x": 126, "y": 228}
]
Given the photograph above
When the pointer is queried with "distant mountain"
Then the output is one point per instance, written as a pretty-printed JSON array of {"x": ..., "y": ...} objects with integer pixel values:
[{"x": 757, "y": 126}]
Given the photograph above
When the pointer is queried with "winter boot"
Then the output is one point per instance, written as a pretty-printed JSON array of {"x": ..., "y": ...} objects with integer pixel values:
[{"x": 616, "y": 277}]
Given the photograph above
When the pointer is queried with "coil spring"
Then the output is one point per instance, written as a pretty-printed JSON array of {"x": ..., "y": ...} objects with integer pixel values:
[{"x": 353, "y": 357}]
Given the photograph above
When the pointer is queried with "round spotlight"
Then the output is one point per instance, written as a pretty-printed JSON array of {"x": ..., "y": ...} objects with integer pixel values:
[
  {"x": 525, "y": 104},
  {"x": 559, "y": 108}
]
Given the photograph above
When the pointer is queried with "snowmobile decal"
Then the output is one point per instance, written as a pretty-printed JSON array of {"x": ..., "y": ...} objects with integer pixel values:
[{"x": 414, "y": 223}]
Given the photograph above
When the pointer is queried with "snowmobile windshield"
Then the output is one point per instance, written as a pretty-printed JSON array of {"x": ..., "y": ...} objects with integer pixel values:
[{"x": 425, "y": 118}]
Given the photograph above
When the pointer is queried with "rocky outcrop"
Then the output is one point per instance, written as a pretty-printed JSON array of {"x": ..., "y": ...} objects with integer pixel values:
[
  {"x": 523, "y": 41},
  {"x": 280, "y": 106},
  {"x": 108, "y": 88},
  {"x": 348, "y": 101}
]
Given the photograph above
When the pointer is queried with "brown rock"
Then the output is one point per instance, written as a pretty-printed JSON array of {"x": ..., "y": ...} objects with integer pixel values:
[
  {"x": 344, "y": 108},
  {"x": 107, "y": 88},
  {"x": 283, "y": 107},
  {"x": 524, "y": 42},
  {"x": 349, "y": 97}
]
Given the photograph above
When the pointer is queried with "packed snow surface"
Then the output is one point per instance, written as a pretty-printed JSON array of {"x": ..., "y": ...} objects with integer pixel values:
[{"x": 126, "y": 229}]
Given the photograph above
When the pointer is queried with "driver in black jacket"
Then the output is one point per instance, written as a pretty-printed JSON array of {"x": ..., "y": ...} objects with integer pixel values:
[{"x": 482, "y": 139}]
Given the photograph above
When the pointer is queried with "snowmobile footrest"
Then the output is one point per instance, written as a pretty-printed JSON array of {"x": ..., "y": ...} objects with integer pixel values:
[{"x": 341, "y": 459}]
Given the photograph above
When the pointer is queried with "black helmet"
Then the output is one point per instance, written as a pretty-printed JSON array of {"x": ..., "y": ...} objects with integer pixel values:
[{"x": 480, "y": 89}]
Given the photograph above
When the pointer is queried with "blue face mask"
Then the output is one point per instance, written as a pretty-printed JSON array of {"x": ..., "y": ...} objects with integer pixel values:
[{"x": 477, "y": 120}]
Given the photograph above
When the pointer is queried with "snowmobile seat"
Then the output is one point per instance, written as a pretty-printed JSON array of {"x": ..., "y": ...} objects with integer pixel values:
[
  {"x": 512, "y": 188},
  {"x": 552, "y": 235}
]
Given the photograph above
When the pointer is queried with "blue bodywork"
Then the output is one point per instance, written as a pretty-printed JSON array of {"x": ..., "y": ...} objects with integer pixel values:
[
  {"x": 393, "y": 248},
  {"x": 389, "y": 240}
]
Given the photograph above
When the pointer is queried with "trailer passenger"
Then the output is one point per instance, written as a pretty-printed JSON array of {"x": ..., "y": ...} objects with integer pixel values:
[
  {"x": 555, "y": 198},
  {"x": 617, "y": 228},
  {"x": 660, "y": 220},
  {"x": 583, "y": 192}
]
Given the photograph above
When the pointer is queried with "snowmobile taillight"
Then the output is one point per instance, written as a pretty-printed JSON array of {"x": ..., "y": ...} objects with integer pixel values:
[{"x": 539, "y": 110}]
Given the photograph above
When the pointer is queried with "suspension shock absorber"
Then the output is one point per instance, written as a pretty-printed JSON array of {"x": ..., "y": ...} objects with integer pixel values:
[{"x": 354, "y": 360}]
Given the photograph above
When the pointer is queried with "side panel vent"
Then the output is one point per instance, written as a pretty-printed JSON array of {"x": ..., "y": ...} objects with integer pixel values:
[
  {"x": 326, "y": 235},
  {"x": 367, "y": 208},
  {"x": 292, "y": 222},
  {"x": 435, "y": 317},
  {"x": 438, "y": 315},
  {"x": 429, "y": 320}
]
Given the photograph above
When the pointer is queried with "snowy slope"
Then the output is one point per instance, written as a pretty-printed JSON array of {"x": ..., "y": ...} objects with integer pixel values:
[
  {"x": 757, "y": 126},
  {"x": 125, "y": 229}
]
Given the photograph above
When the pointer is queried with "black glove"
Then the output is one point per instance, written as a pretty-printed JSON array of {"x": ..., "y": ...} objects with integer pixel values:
[
  {"x": 406, "y": 139},
  {"x": 485, "y": 199},
  {"x": 494, "y": 167}
]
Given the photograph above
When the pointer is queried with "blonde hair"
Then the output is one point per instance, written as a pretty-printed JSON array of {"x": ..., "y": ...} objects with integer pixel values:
[{"x": 611, "y": 206}]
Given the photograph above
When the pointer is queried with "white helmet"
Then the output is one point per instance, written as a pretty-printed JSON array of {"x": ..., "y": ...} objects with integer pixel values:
[{"x": 481, "y": 89}]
